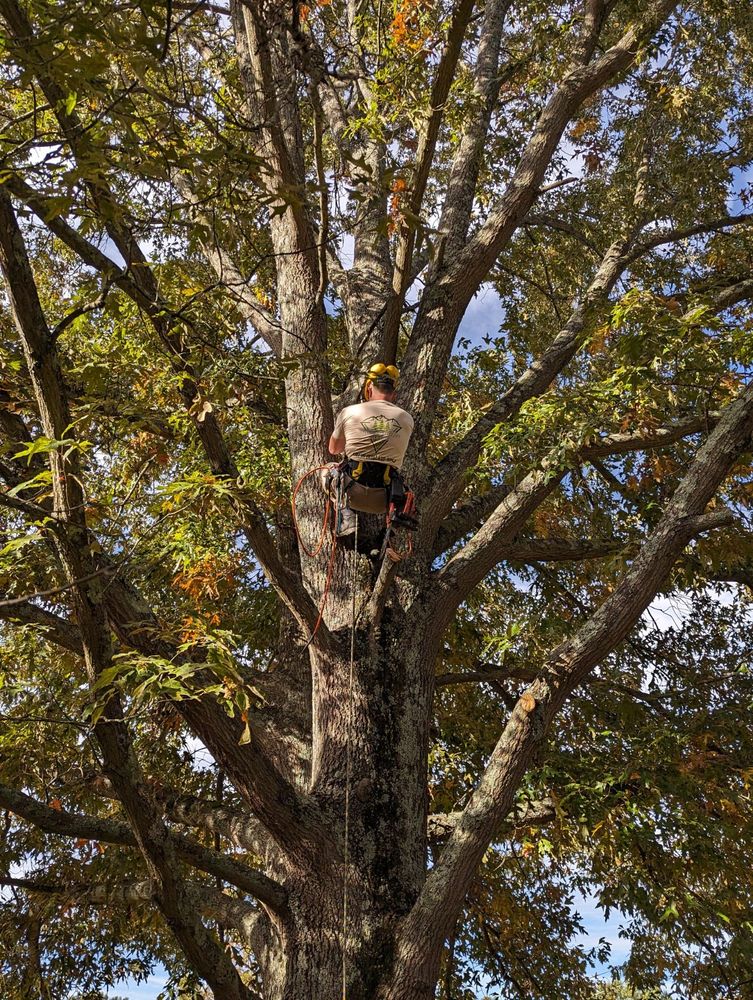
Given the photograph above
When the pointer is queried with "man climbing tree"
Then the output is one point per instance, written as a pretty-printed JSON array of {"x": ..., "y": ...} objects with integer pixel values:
[
  {"x": 373, "y": 436},
  {"x": 267, "y": 764}
]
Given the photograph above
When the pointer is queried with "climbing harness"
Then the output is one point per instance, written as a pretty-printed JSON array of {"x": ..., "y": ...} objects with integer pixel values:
[
  {"x": 356, "y": 471},
  {"x": 352, "y": 496},
  {"x": 377, "y": 488}
]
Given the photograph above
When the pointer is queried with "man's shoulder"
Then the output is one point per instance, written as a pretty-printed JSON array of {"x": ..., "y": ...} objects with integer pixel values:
[
  {"x": 353, "y": 409},
  {"x": 403, "y": 414},
  {"x": 384, "y": 406},
  {"x": 379, "y": 407}
]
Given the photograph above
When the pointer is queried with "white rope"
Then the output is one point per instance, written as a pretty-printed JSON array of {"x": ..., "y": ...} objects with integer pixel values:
[{"x": 348, "y": 728}]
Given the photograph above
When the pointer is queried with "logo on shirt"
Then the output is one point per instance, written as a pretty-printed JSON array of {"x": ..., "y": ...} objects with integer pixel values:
[{"x": 380, "y": 430}]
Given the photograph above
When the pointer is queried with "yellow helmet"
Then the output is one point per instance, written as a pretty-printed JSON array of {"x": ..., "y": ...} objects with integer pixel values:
[{"x": 380, "y": 373}]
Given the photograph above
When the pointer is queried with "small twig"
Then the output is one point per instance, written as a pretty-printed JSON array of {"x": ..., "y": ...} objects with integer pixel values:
[
  {"x": 15, "y": 601},
  {"x": 168, "y": 29},
  {"x": 559, "y": 184},
  {"x": 87, "y": 308}
]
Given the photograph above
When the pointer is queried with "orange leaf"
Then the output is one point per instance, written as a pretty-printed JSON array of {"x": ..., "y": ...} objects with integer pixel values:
[{"x": 57, "y": 805}]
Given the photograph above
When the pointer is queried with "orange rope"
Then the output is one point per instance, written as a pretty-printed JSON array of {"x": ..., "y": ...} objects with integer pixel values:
[{"x": 320, "y": 544}]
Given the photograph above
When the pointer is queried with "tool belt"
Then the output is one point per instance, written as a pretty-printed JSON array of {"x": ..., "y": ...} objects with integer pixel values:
[
  {"x": 374, "y": 475},
  {"x": 367, "y": 485},
  {"x": 374, "y": 488}
]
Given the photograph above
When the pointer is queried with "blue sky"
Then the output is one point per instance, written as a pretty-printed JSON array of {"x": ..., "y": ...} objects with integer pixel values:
[{"x": 143, "y": 991}]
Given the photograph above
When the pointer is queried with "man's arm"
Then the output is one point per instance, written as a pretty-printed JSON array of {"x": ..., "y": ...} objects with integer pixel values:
[
  {"x": 337, "y": 440},
  {"x": 337, "y": 443}
]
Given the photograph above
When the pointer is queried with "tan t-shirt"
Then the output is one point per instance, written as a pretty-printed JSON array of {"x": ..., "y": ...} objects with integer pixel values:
[{"x": 375, "y": 431}]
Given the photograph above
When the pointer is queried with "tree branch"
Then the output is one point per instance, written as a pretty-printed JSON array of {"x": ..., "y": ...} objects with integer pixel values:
[
  {"x": 487, "y": 80},
  {"x": 288, "y": 586},
  {"x": 211, "y": 817},
  {"x": 488, "y": 675},
  {"x": 262, "y": 320},
  {"x": 439, "y": 826},
  {"x": 473, "y": 264},
  {"x": 479, "y": 555},
  {"x": 565, "y": 668},
  {"x": 54, "y": 628},
  {"x": 657, "y": 437},
  {"x": 109, "y": 831},
  {"x": 427, "y": 143},
  {"x": 286, "y": 583},
  {"x": 447, "y": 298},
  {"x": 663, "y": 237},
  {"x": 211, "y": 903},
  {"x": 493, "y": 541},
  {"x": 450, "y": 471},
  {"x": 73, "y": 543}
]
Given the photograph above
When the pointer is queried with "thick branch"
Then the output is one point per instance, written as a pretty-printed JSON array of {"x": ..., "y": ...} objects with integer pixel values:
[
  {"x": 286, "y": 813},
  {"x": 478, "y": 556},
  {"x": 461, "y": 187},
  {"x": 286, "y": 583},
  {"x": 439, "y": 826},
  {"x": 424, "y": 158},
  {"x": 216, "y": 818},
  {"x": 211, "y": 903},
  {"x": 447, "y": 298},
  {"x": 262, "y": 320},
  {"x": 450, "y": 472},
  {"x": 54, "y": 628},
  {"x": 207, "y": 428},
  {"x": 582, "y": 82},
  {"x": 566, "y": 667},
  {"x": 278, "y": 804},
  {"x": 73, "y": 544},
  {"x": 651, "y": 438},
  {"x": 109, "y": 831},
  {"x": 493, "y": 541}
]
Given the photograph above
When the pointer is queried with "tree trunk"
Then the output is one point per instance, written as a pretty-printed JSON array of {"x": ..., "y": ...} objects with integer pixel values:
[{"x": 369, "y": 749}]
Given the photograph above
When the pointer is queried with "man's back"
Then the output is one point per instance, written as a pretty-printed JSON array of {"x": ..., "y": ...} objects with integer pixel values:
[{"x": 375, "y": 431}]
